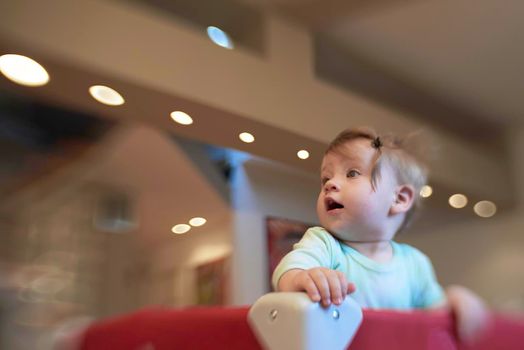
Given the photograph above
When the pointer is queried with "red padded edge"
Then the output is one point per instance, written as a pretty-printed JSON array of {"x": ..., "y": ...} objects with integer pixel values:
[{"x": 227, "y": 328}]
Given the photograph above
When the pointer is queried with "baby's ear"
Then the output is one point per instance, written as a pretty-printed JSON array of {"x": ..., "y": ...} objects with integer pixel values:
[{"x": 404, "y": 197}]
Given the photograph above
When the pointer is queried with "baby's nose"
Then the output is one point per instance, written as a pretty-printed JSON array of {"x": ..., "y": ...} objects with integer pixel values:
[{"x": 331, "y": 185}]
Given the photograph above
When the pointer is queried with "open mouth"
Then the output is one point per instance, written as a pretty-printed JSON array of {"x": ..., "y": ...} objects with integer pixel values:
[{"x": 332, "y": 204}]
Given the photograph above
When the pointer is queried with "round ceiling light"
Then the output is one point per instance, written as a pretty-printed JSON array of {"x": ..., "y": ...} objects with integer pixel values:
[
  {"x": 426, "y": 191},
  {"x": 246, "y": 137},
  {"x": 180, "y": 229},
  {"x": 106, "y": 95},
  {"x": 485, "y": 209},
  {"x": 181, "y": 118},
  {"x": 23, "y": 70},
  {"x": 196, "y": 222},
  {"x": 219, "y": 37},
  {"x": 458, "y": 201},
  {"x": 303, "y": 154}
]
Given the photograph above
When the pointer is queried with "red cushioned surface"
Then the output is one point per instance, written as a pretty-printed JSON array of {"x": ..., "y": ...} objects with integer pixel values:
[{"x": 227, "y": 328}]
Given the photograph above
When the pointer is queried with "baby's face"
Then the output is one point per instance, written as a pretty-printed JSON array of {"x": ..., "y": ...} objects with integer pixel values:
[{"x": 347, "y": 205}]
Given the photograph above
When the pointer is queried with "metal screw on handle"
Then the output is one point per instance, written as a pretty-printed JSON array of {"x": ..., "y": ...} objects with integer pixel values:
[
  {"x": 273, "y": 314},
  {"x": 336, "y": 314}
]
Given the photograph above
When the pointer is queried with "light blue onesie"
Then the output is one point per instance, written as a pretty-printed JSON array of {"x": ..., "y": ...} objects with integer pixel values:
[{"x": 406, "y": 282}]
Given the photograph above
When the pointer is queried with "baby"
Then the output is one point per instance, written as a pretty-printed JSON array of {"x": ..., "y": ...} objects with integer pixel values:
[{"x": 369, "y": 191}]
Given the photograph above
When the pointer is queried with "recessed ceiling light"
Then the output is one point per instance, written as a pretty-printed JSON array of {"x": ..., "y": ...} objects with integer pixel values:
[
  {"x": 426, "y": 191},
  {"x": 219, "y": 37},
  {"x": 485, "y": 209},
  {"x": 303, "y": 154},
  {"x": 180, "y": 228},
  {"x": 197, "y": 221},
  {"x": 23, "y": 70},
  {"x": 106, "y": 95},
  {"x": 181, "y": 118},
  {"x": 246, "y": 137},
  {"x": 458, "y": 201}
]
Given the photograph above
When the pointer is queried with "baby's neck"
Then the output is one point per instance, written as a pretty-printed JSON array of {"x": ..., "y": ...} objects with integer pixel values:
[{"x": 379, "y": 251}]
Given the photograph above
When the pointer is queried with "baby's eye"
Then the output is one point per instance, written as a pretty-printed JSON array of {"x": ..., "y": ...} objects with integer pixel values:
[
  {"x": 324, "y": 180},
  {"x": 353, "y": 173}
]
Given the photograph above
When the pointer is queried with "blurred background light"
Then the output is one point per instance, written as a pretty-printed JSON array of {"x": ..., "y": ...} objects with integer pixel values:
[
  {"x": 106, "y": 95},
  {"x": 181, "y": 118},
  {"x": 219, "y": 37},
  {"x": 485, "y": 209},
  {"x": 458, "y": 201},
  {"x": 23, "y": 70},
  {"x": 246, "y": 137},
  {"x": 198, "y": 221},
  {"x": 303, "y": 154},
  {"x": 426, "y": 191},
  {"x": 180, "y": 228}
]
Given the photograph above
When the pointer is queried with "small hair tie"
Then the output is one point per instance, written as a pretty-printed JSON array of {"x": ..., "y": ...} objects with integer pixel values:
[{"x": 377, "y": 143}]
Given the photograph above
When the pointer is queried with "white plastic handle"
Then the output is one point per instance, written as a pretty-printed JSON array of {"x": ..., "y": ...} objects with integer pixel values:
[{"x": 291, "y": 321}]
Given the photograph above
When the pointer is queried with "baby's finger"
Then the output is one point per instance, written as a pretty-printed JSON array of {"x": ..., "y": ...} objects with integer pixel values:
[
  {"x": 322, "y": 285},
  {"x": 343, "y": 284},
  {"x": 351, "y": 287},
  {"x": 311, "y": 289},
  {"x": 334, "y": 287}
]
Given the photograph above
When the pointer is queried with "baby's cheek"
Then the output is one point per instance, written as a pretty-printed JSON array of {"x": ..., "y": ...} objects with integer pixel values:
[{"x": 320, "y": 205}]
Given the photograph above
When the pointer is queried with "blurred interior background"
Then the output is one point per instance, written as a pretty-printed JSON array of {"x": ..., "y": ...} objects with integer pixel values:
[{"x": 91, "y": 192}]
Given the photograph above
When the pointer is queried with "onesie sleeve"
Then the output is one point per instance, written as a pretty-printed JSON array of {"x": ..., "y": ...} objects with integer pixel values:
[
  {"x": 429, "y": 292},
  {"x": 313, "y": 250}
]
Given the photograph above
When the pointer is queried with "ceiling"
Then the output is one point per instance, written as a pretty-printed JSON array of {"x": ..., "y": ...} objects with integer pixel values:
[
  {"x": 466, "y": 53},
  {"x": 454, "y": 65},
  {"x": 461, "y": 58}
]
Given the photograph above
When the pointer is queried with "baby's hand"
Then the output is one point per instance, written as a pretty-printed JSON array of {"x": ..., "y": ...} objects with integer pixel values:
[
  {"x": 472, "y": 314},
  {"x": 324, "y": 285}
]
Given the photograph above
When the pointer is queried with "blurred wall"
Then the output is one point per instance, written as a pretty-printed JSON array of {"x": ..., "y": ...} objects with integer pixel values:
[
  {"x": 485, "y": 254},
  {"x": 50, "y": 228},
  {"x": 262, "y": 188}
]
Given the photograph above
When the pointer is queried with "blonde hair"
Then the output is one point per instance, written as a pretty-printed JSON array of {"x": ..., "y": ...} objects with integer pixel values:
[{"x": 402, "y": 154}]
